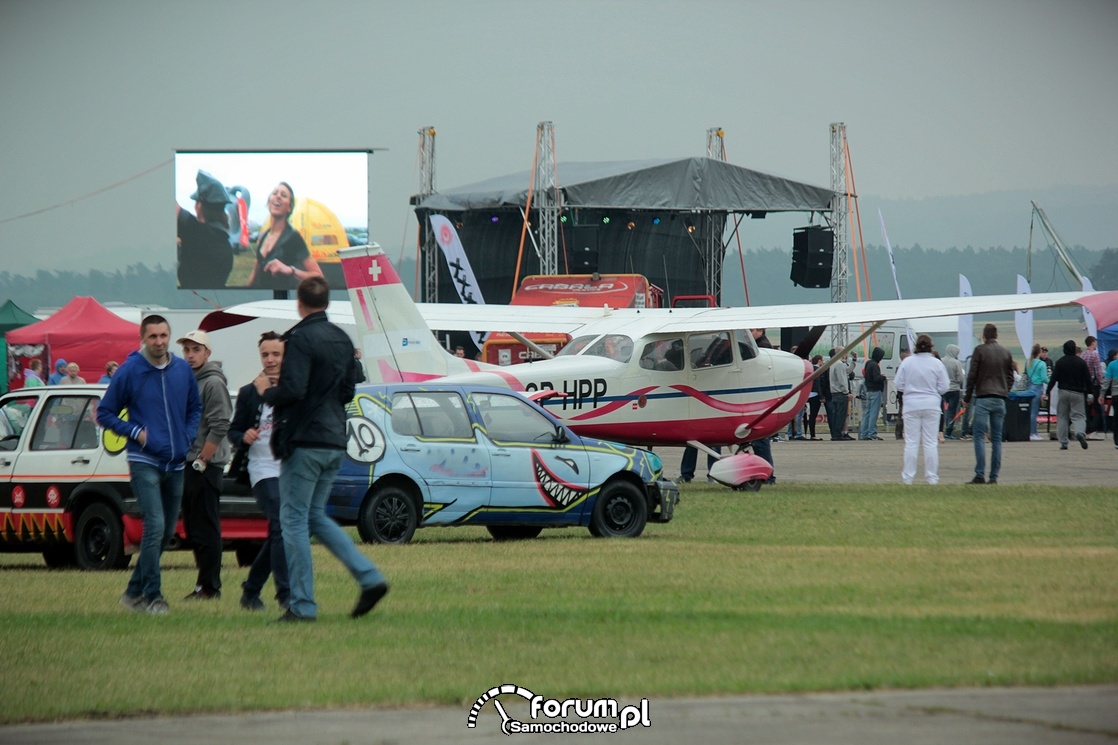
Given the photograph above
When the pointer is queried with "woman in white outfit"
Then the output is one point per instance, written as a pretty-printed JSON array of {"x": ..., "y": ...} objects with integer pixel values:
[{"x": 922, "y": 378}]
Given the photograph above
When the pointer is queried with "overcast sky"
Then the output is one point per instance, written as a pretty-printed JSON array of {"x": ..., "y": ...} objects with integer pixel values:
[{"x": 939, "y": 98}]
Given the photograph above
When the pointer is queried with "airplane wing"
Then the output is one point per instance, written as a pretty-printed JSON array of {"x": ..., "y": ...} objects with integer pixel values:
[{"x": 576, "y": 320}]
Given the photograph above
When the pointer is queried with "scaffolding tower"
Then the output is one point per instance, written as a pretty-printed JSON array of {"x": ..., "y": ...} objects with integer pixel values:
[
  {"x": 547, "y": 199},
  {"x": 429, "y": 251},
  {"x": 712, "y": 226},
  {"x": 840, "y": 271}
]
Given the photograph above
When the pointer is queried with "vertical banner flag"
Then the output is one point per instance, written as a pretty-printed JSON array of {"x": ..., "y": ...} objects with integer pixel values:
[
  {"x": 460, "y": 270},
  {"x": 1023, "y": 319},
  {"x": 896, "y": 285},
  {"x": 1089, "y": 317},
  {"x": 966, "y": 322}
]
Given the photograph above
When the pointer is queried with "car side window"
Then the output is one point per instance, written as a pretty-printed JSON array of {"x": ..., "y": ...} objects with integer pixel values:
[
  {"x": 65, "y": 424},
  {"x": 13, "y": 420},
  {"x": 435, "y": 414},
  {"x": 512, "y": 420}
]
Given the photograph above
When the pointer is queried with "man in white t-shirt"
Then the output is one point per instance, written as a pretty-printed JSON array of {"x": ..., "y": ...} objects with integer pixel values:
[{"x": 251, "y": 433}]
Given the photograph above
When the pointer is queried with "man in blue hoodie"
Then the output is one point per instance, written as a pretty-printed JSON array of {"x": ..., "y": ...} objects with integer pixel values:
[
  {"x": 164, "y": 409},
  {"x": 58, "y": 374}
]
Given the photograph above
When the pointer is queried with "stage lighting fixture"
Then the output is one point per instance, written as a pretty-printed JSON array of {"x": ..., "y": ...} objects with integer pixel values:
[
  {"x": 656, "y": 221},
  {"x": 605, "y": 220},
  {"x": 631, "y": 225},
  {"x": 494, "y": 219}
]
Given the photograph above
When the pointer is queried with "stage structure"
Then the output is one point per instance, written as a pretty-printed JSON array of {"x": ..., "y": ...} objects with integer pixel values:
[{"x": 666, "y": 219}]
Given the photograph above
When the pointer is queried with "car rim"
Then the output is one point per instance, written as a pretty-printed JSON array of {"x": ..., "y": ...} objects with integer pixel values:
[
  {"x": 620, "y": 513},
  {"x": 392, "y": 518},
  {"x": 97, "y": 541}
]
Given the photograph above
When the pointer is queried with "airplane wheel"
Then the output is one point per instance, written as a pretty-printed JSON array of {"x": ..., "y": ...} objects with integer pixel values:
[
  {"x": 389, "y": 515},
  {"x": 754, "y": 485},
  {"x": 620, "y": 511}
]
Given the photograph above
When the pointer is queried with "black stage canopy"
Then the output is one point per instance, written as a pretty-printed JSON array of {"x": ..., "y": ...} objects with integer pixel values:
[{"x": 665, "y": 219}]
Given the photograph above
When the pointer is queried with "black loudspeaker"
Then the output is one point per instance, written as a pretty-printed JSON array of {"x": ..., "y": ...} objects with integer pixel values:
[
  {"x": 813, "y": 253},
  {"x": 584, "y": 249},
  {"x": 790, "y": 336}
]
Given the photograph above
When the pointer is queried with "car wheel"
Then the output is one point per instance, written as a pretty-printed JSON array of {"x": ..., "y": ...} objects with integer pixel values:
[
  {"x": 99, "y": 539},
  {"x": 620, "y": 511},
  {"x": 513, "y": 532},
  {"x": 60, "y": 556},
  {"x": 389, "y": 515}
]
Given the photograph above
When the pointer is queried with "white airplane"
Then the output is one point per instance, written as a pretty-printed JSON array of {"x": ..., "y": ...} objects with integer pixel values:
[{"x": 684, "y": 376}]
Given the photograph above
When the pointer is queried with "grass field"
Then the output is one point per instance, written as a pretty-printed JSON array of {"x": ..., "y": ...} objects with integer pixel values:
[{"x": 795, "y": 588}]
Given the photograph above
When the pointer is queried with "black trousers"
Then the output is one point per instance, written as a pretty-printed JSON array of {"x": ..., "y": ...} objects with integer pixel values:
[{"x": 201, "y": 516}]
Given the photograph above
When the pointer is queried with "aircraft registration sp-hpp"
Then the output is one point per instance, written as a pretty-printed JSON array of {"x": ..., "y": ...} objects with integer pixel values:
[{"x": 682, "y": 376}]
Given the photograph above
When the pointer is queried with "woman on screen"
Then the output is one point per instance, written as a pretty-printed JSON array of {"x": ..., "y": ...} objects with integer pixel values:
[{"x": 282, "y": 257}]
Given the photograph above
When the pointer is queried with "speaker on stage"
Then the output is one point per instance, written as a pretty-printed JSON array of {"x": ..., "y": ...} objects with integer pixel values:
[
  {"x": 813, "y": 253},
  {"x": 584, "y": 249}
]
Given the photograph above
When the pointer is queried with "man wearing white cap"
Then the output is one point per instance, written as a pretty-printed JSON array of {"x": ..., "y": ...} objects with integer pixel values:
[{"x": 201, "y": 489}]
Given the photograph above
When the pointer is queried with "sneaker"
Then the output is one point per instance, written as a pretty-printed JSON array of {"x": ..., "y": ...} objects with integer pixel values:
[
  {"x": 289, "y": 617},
  {"x": 368, "y": 599},
  {"x": 1036, "y": 438},
  {"x": 252, "y": 602},
  {"x": 201, "y": 593},
  {"x": 1082, "y": 440},
  {"x": 134, "y": 604},
  {"x": 683, "y": 480},
  {"x": 977, "y": 480},
  {"x": 1064, "y": 446},
  {"x": 157, "y": 607},
  {"x": 992, "y": 481}
]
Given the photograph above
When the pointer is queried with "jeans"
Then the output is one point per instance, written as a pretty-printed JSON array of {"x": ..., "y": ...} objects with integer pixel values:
[
  {"x": 271, "y": 560},
  {"x": 837, "y": 414},
  {"x": 988, "y": 412},
  {"x": 159, "y": 494},
  {"x": 868, "y": 430},
  {"x": 951, "y": 400},
  {"x": 1034, "y": 406},
  {"x": 921, "y": 428},
  {"x": 304, "y": 484},
  {"x": 691, "y": 460}
]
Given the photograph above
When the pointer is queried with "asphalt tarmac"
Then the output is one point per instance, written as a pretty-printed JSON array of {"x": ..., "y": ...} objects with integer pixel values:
[{"x": 992, "y": 716}]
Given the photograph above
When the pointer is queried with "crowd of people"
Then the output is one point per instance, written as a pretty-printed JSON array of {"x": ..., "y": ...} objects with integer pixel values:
[{"x": 287, "y": 435}]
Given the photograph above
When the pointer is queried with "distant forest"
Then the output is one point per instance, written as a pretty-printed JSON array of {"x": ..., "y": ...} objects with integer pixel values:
[{"x": 921, "y": 273}]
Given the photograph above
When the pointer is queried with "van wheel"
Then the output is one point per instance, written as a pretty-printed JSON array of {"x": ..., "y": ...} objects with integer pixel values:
[
  {"x": 389, "y": 515},
  {"x": 99, "y": 539},
  {"x": 620, "y": 511},
  {"x": 60, "y": 556}
]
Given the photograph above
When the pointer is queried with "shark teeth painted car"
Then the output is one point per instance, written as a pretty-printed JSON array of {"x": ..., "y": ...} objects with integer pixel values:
[{"x": 426, "y": 455}]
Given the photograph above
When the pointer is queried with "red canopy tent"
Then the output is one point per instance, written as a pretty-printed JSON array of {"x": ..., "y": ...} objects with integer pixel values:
[{"x": 82, "y": 331}]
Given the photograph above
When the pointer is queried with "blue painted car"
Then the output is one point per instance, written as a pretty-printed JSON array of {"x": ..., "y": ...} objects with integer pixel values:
[{"x": 425, "y": 455}]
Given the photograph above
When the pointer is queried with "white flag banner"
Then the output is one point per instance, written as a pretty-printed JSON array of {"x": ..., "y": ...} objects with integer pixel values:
[
  {"x": 896, "y": 284},
  {"x": 1023, "y": 319},
  {"x": 465, "y": 283},
  {"x": 1089, "y": 317},
  {"x": 966, "y": 322}
]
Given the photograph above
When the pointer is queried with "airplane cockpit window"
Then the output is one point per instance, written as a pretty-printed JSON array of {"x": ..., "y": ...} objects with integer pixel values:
[
  {"x": 665, "y": 355},
  {"x": 576, "y": 345},
  {"x": 747, "y": 345},
  {"x": 710, "y": 350},
  {"x": 617, "y": 347}
]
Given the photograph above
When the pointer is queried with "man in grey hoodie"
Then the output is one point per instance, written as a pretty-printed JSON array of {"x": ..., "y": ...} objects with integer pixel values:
[
  {"x": 956, "y": 376},
  {"x": 201, "y": 492}
]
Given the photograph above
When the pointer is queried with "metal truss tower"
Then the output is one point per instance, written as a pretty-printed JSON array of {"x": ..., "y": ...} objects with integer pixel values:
[
  {"x": 428, "y": 289},
  {"x": 547, "y": 199},
  {"x": 840, "y": 272},
  {"x": 711, "y": 225}
]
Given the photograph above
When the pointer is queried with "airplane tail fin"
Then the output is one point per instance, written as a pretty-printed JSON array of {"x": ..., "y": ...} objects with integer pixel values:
[{"x": 396, "y": 343}]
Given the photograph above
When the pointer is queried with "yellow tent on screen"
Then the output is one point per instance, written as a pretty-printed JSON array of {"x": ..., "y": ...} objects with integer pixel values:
[{"x": 320, "y": 228}]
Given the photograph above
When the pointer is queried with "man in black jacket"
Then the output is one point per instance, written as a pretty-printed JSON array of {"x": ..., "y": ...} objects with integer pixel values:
[
  {"x": 875, "y": 389},
  {"x": 1074, "y": 378},
  {"x": 309, "y": 437}
]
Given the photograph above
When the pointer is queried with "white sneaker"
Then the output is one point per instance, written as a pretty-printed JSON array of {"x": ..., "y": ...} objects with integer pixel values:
[{"x": 1037, "y": 438}]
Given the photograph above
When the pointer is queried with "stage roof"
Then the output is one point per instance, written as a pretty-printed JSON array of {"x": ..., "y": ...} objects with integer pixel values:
[{"x": 702, "y": 184}]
